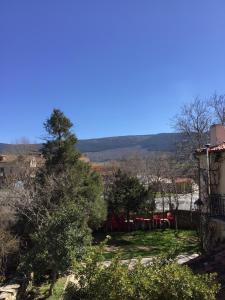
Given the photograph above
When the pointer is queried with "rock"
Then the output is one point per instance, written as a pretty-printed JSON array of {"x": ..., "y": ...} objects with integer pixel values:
[{"x": 9, "y": 292}]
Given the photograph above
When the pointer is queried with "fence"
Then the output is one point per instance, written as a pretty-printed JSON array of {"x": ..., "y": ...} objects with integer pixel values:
[{"x": 217, "y": 205}]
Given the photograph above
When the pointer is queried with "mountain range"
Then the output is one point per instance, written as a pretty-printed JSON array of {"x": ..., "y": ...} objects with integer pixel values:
[{"x": 111, "y": 148}]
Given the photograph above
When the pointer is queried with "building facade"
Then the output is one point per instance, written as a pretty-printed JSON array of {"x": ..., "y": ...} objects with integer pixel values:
[{"x": 212, "y": 187}]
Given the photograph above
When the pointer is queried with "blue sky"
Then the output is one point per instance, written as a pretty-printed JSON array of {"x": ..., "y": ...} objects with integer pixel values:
[{"x": 114, "y": 67}]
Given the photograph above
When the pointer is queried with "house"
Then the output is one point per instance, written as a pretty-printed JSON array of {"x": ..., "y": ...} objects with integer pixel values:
[
  {"x": 185, "y": 185},
  {"x": 17, "y": 165},
  {"x": 212, "y": 188}
]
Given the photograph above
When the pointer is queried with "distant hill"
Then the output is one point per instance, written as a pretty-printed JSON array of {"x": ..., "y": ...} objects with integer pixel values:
[{"x": 111, "y": 148}]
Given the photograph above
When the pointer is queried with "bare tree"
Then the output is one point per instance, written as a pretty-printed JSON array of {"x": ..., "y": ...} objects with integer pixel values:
[
  {"x": 172, "y": 174},
  {"x": 8, "y": 241},
  {"x": 29, "y": 198},
  {"x": 217, "y": 103},
  {"x": 23, "y": 147},
  {"x": 149, "y": 168},
  {"x": 194, "y": 121},
  {"x": 8, "y": 245},
  {"x": 133, "y": 164}
]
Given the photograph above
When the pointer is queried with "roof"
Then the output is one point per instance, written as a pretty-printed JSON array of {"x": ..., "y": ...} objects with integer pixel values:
[
  {"x": 216, "y": 148},
  {"x": 184, "y": 180}
]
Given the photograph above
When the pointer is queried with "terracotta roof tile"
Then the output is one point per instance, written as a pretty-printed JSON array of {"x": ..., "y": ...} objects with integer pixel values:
[{"x": 217, "y": 148}]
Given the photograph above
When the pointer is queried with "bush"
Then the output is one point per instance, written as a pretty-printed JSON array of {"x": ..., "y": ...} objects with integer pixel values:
[
  {"x": 8, "y": 246},
  {"x": 163, "y": 279}
]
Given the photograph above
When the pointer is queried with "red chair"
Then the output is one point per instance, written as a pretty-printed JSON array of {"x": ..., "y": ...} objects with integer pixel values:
[
  {"x": 156, "y": 220},
  {"x": 139, "y": 222},
  {"x": 147, "y": 223},
  {"x": 122, "y": 224},
  {"x": 170, "y": 217}
]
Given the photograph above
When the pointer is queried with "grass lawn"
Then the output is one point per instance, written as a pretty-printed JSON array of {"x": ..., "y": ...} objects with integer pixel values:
[
  {"x": 38, "y": 292},
  {"x": 150, "y": 243}
]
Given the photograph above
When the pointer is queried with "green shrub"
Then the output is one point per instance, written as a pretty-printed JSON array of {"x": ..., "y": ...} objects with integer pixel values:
[{"x": 163, "y": 279}]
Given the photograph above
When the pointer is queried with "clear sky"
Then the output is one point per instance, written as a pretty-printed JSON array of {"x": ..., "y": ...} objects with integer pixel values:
[{"x": 114, "y": 67}]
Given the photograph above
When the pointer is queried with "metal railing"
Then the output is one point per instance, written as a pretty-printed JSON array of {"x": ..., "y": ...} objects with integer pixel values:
[{"x": 217, "y": 205}]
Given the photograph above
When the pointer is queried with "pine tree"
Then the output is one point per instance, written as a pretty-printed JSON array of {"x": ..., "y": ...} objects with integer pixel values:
[
  {"x": 69, "y": 200},
  {"x": 59, "y": 150},
  {"x": 126, "y": 194}
]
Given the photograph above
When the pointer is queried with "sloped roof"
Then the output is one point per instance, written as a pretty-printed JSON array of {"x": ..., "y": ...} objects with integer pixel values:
[
  {"x": 216, "y": 148},
  {"x": 184, "y": 180}
]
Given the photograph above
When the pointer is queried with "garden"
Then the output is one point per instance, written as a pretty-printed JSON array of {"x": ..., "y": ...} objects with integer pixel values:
[
  {"x": 143, "y": 243},
  {"x": 62, "y": 223}
]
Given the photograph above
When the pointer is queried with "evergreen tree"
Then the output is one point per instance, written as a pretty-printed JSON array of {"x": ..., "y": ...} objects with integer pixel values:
[
  {"x": 126, "y": 194},
  {"x": 69, "y": 200},
  {"x": 59, "y": 150}
]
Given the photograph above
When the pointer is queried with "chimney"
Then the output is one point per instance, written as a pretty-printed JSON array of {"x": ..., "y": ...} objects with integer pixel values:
[{"x": 217, "y": 134}]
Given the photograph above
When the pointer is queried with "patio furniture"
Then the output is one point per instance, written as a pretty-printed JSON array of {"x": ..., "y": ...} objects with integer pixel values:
[
  {"x": 164, "y": 223},
  {"x": 156, "y": 221},
  {"x": 129, "y": 224},
  {"x": 170, "y": 217},
  {"x": 139, "y": 222},
  {"x": 147, "y": 224}
]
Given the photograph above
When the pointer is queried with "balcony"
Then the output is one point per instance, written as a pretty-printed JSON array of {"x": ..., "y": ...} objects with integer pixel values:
[{"x": 217, "y": 206}]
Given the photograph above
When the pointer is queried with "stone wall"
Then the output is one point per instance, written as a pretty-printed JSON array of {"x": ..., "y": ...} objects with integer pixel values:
[
  {"x": 9, "y": 292},
  {"x": 15, "y": 289},
  {"x": 213, "y": 234}
]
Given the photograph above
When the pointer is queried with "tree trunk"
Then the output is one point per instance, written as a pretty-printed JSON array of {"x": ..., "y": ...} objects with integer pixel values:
[
  {"x": 199, "y": 179},
  {"x": 191, "y": 204},
  {"x": 176, "y": 223},
  {"x": 128, "y": 219},
  {"x": 53, "y": 281},
  {"x": 163, "y": 200}
]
